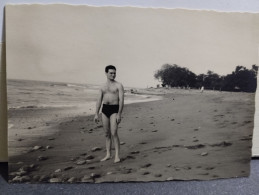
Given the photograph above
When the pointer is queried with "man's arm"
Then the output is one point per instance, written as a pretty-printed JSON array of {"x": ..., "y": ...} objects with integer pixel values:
[
  {"x": 121, "y": 102},
  {"x": 98, "y": 105}
]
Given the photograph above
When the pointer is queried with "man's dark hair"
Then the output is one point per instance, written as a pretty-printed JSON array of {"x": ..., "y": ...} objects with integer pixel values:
[{"x": 109, "y": 67}]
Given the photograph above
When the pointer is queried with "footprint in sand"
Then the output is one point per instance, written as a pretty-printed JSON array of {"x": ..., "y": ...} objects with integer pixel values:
[
  {"x": 87, "y": 179},
  {"x": 195, "y": 146},
  {"x": 219, "y": 115},
  {"x": 146, "y": 165},
  {"x": 209, "y": 168},
  {"x": 169, "y": 179},
  {"x": 223, "y": 144},
  {"x": 245, "y": 123},
  {"x": 44, "y": 178},
  {"x": 80, "y": 162},
  {"x": 83, "y": 154},
  {"x": 68, "y": 168},
  {"x": 145, "y": 173},
  {"x": 94, "y": 149},
  {"x": 246, "y": 139},
  {"x": 89, "y": 157},
  {"x": 204, "y": 174},
  {"x": 95, "y": 175},
  {"x": 72, "y": 180},
  {"x": 126, "y": 171},
  {"x": 130, "y": 157},
  {"x": 204, "y": 154},
  {"x": 58, "y": 171},
  {"x": 42, "y": 158},
  {"x": 36, "y": 148}
]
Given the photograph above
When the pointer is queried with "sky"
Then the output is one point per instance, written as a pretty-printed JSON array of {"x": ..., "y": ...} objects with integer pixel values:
[{"x": 74, "y": 43}]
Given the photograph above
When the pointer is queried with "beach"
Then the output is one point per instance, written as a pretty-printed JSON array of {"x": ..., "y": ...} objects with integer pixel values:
[{"x": 185, "y": 135}]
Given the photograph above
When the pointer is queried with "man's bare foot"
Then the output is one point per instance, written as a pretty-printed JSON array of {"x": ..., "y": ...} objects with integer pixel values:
[
  {"x": 107, "y": 157},
  {"x": 116, "y": 160}
]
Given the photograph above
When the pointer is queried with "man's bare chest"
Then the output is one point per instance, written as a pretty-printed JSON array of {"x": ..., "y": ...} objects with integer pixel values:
[{"x": 111, "y": 89}]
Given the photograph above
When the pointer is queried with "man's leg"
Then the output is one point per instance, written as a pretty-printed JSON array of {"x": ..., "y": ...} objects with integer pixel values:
[
  {"x": 106, "y": 127},
  {"x": 116, "y": 140}
]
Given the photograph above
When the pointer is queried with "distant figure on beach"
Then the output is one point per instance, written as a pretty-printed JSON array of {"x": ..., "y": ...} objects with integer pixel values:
[
  {"x": 202, "y": 89},
  {"x": 111, "y": 95}
]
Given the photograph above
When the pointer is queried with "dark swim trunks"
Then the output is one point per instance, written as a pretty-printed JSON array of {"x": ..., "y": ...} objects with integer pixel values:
[{"x": 108, "y": 110}]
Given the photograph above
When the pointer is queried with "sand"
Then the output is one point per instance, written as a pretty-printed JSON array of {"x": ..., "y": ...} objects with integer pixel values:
[{"x": 187, "y": 135}]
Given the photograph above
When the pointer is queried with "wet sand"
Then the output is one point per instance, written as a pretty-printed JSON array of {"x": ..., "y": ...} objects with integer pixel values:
[{"x": 187, "y": 135}]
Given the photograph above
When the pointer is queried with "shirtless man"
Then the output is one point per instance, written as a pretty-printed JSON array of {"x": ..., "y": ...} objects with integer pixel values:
[{"x": 111, "y": 95}]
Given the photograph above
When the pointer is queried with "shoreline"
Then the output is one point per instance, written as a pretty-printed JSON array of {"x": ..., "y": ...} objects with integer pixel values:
[{"x": 213, "y": 144}]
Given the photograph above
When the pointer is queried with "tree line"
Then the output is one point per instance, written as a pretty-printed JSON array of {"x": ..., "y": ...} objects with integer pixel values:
[{"x": 241, "y": 79}]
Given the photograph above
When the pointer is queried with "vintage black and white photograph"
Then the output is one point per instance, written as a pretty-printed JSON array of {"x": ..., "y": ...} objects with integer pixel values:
[{"x": 122, "y": 94}]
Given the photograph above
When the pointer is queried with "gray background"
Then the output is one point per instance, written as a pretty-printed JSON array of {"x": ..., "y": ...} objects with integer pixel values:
[{"x": 222, "y": 186}]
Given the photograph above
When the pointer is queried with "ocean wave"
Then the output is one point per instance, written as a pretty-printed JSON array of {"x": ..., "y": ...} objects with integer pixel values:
[
  {"x": 41, "y": 106},
  {"x": 148, "y": 99},
  {"x": 77, "y": 86},
  {"x": 58, "y": 84}
]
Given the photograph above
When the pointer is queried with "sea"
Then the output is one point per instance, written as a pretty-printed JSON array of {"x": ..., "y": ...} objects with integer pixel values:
[{"x": 45, "y": 94}]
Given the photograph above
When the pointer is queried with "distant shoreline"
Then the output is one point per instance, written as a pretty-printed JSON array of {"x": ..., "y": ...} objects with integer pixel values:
[{"x": 68, "y": 83}]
